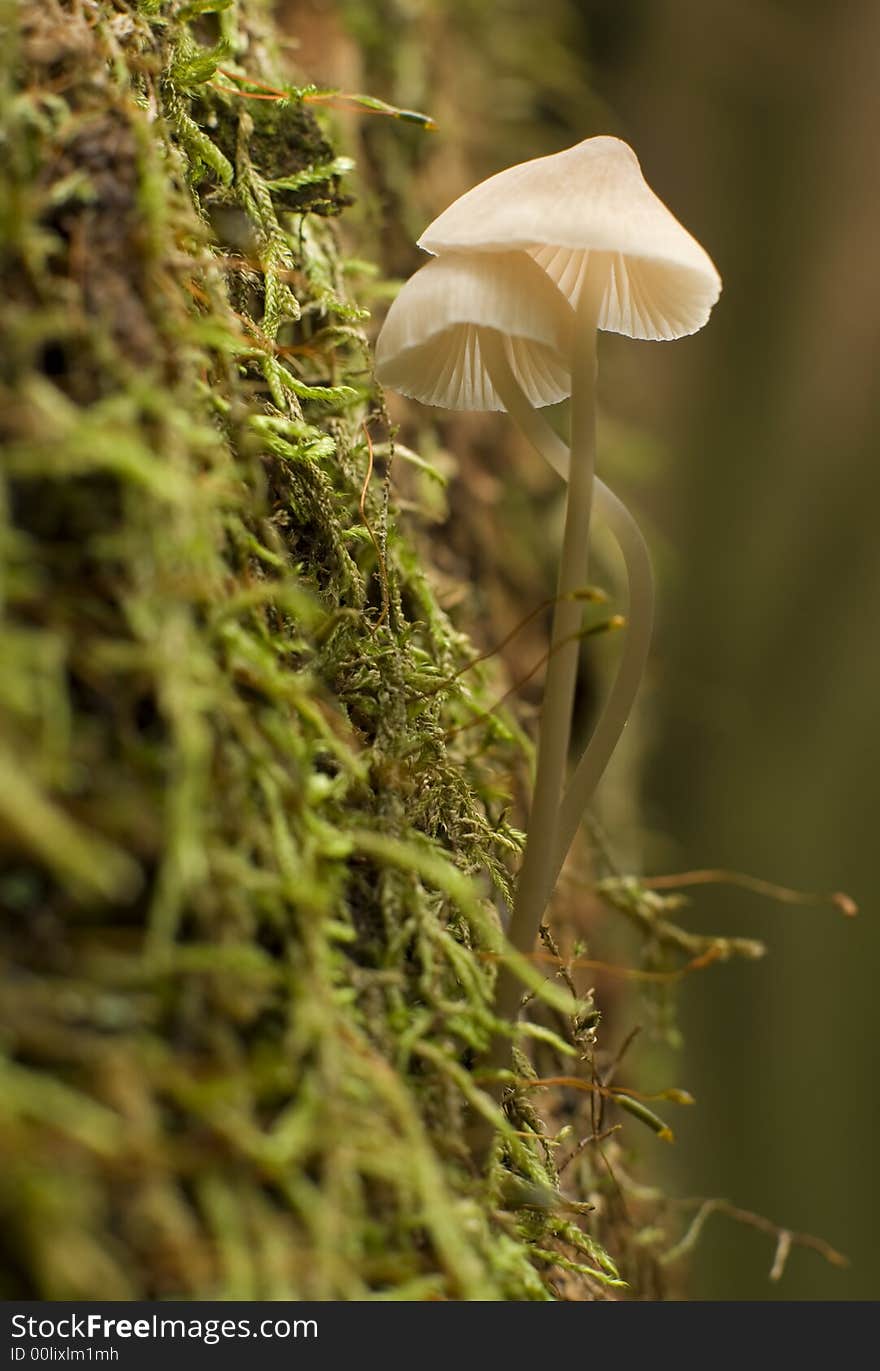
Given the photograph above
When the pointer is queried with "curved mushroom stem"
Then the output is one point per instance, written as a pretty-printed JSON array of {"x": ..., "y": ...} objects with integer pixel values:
[
  {"x": 538, "y": 867},
  {"x": 640, "y": 609},
  {"x": 612, "y": 720},
  {"x": 640, "y": 583}
]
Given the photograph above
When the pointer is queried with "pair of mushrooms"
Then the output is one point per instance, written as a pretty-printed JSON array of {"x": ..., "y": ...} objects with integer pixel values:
[{"x": 527, "y": 267}]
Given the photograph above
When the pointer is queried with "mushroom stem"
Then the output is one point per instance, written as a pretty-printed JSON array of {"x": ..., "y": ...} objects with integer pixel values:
[
  {"x": 538, "y": 867},
  {"x": 640, "y": 609},
  {"x": 614, "y": 716},
  {"x": 640, "y": 582}
]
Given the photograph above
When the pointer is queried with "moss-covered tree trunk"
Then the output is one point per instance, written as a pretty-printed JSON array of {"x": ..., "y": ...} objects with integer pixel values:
[{"x": 248, "y": 859}]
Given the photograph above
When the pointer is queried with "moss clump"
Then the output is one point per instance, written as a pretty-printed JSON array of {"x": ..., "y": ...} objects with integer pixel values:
[{"x": 246, "y": 879}]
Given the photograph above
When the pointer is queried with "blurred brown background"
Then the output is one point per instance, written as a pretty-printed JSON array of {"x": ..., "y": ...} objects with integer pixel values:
[{"x": 751, "y": 453}]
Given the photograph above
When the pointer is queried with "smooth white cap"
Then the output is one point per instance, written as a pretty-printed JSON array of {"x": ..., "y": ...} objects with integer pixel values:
[
  {"x": 430, "y": 349},
  {"x": 590, "y": 205}
]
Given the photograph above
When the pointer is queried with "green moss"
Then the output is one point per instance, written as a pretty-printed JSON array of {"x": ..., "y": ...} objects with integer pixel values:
[
  {"x": 245, "y": 880},
  {"x": 250, "y": 861}
]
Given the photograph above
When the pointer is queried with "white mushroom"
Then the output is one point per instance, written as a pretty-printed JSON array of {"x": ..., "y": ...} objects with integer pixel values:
[
  {"x": 587, "y": 216},
  {"x": 453, "y": 313},
  {"x": 588, "y": 212},
  {"x": 490, "y": 331}
]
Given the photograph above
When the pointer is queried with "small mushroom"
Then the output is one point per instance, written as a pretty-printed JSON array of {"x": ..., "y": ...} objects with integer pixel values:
[
  {"x": 589, "y": 219},
  {"x": 449, "y": 319},
  {"x": 490, "y": 331}
]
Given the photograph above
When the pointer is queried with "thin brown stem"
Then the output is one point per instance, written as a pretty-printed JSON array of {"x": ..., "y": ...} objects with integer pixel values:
[
  {"x": 609, "y": 625},
  {"x": 781, "y": 893},
  {"x": 786, "y": 1238}
]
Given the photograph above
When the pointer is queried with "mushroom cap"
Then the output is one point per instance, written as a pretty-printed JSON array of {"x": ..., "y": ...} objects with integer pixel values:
[
  {"x": 590, "y": 204},
  {"x": 430, "y": 345}
]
